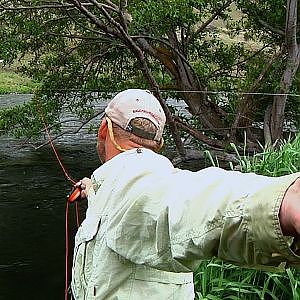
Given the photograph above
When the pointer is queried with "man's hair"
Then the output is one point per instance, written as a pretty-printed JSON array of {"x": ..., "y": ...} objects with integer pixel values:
[{"x": 142, "y": 124}]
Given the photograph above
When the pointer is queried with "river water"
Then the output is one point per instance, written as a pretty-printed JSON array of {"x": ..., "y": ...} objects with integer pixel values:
[
  {"x": 32, "y": 211},
  {"x": 33, "y": 193}
]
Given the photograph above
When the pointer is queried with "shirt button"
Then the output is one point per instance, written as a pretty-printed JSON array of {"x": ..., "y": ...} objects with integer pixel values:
[{"x": 138, "y": 150}]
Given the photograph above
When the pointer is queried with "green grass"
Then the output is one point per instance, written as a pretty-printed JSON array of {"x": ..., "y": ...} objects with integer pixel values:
[
  {"x": 283, "y": 160},
  {"x": 217, "y": 280},
  {"x": 12, "y": 82}
]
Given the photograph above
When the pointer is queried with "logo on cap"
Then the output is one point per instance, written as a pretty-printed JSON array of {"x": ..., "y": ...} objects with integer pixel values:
[{"x": 156, "y": 117}]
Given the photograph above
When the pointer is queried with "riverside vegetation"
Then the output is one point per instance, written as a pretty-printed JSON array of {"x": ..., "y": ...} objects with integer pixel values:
[
  {"x": 233, "y": 62},
  {"x": 217, "y": 280},
  {"x": 13, "y": 83}
]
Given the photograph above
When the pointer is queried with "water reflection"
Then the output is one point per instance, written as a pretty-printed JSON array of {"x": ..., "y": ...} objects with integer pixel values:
[{"x": 13, "y": 99}]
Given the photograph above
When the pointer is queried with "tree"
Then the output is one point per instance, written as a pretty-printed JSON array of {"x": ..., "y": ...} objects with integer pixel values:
[
  {"x": 280, "y": 26},
  {"x": 173, "y": 45}
]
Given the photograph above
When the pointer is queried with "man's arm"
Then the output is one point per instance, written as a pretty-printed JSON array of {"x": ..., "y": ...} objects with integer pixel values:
[
  {"x": 237, "y": 217},
  {"x": 289, "y": 214}
]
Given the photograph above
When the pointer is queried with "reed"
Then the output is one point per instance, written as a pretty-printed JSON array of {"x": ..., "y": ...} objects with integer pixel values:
[{"x": 282, "y": 160}]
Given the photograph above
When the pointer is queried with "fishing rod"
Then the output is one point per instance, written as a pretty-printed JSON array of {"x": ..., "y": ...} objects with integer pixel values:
[
  {"x": 76, "y": 191},
  {"x": 73, "y": 197}
]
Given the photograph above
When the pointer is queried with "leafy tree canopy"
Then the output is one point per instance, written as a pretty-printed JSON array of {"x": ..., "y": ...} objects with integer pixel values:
[{"x": 76, "y": 48}]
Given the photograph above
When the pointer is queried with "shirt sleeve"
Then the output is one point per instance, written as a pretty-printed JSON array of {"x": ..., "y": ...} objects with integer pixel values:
[{"x": 173, "y": 224}]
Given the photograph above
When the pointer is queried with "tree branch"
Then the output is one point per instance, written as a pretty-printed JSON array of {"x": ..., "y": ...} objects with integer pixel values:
[
  {"x": 165, "y": 42},
  {"x": 111, "y": 4},
  {"x": 247, "y": 104},
  {"x": 200, "y": 136},
  {"x": 181, "y": 65},
  {"x": 38, "y": 7},
  {"x": 272, "y": 29},
  {"x": 215, "y": 72},
  {"x": 163, "y": 56},
  {"x": 103, "y": 6},
  {"x": 148, "y": 75},
  {"x": 83, "y": 26},
  {"x": 205, "y": 24},
  {"x": 122, "y": 29},
  {"x": 291, "y": 25},
  {"x": 74, "y": 36},
  {"x": 94, "y": 19},
  {"x": 123, "y": 12},
  {"x": 67, "y": 131},
  {"x": 55, "y": 6}
]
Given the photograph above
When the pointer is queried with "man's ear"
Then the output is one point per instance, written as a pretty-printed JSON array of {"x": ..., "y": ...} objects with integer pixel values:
[{"x": 102, "y": 132}]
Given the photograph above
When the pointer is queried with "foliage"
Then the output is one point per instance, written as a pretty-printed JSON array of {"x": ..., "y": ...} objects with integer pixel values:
[
  {"x": 215, "y": 279},
  {"x": 11, "y": 82},
  {"x": 168, "y": 15},
  {"x": 78, "y": 47},
  {"x": 266, "y": 12}
]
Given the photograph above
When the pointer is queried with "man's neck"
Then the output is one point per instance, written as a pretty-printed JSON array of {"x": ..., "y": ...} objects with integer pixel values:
[{"x": 112, "y": 151}]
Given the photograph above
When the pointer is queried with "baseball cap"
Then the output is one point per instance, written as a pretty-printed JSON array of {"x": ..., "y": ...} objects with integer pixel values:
[{"x": 137, "y": 103}]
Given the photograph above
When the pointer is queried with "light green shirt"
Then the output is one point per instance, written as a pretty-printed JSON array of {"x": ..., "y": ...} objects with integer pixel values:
[{"x": 148, "y": 225}]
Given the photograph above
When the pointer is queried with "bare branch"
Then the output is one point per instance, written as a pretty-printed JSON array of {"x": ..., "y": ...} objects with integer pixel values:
[
  {"x": 267, "y": 131},
  {"x": 111, "y": 4},
  {"x": 181, "y": 65},
  {"x": 54, "y": 20},
  {"x": 109, "y": 17},
  {"x": 112, "y": 7},
  {"x": 38, "y": 7},
  {"x": 200, "y": 136},
  {"x": 247, "y": 104},
  {"x": 265, "y": 70},
  {"x": 123, "y": 5},
  {"x": 68, "y": 131},
  {"x": 165, "y": 58},
  {"x": 153, "y": 83},
  {"x": 75, "y": 20},
  {"x": 94, "y": 19},
  {"x": 125, "y": 17}
]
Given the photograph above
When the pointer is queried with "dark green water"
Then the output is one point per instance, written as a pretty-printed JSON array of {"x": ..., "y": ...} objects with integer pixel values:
[
  {"x": 33, "y": 194},
  {"x": 32, "y": 219}
]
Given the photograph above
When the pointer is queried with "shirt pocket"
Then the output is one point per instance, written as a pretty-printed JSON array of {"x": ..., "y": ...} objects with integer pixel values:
[
  {"x": 155, "y": 284},
  {"x": 82, "y": 264}
]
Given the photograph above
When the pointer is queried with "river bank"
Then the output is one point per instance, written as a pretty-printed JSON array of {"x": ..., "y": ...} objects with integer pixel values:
[{"x": 13, "y": 82}]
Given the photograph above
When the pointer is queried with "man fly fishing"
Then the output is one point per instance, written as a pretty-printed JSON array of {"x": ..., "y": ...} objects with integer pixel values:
[{"x": 148, "y": 225}]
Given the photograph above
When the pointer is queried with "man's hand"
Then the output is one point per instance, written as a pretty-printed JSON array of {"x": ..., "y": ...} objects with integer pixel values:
[
  {"x": 289, "y": 214},
  {"x": 84, "y": 184}
]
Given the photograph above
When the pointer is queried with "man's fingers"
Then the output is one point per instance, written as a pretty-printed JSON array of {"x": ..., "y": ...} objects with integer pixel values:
[{"x": 84, "y": 185}]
